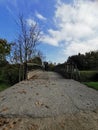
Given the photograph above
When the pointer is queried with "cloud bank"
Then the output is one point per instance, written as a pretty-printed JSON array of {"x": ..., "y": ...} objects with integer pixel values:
[{"x": 76, "y": 27}]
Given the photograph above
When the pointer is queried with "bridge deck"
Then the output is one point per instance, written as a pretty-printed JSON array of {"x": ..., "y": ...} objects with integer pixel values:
[{"x": 47, "y": 94}]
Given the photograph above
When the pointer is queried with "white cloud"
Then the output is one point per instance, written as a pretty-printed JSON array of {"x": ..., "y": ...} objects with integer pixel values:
[
  {"x": 50, "y": 40},
  {"x": 30, "y": 22},
  {"x": 77, "y": 27},
  {"x": 81, "y": 46},
  {"x": 40, "y": 16}
]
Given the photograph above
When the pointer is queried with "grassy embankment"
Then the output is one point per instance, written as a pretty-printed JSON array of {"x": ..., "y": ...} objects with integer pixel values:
[
  {"x": 92, "y": 85},
  {"x": 90, "y": 78}
]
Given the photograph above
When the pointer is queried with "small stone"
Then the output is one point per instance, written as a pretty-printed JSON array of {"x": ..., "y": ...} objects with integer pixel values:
[
  {"x": 14, "y": 122},
  {"x": 37, "y": 93},
  {"x": 47, "y": 106}
]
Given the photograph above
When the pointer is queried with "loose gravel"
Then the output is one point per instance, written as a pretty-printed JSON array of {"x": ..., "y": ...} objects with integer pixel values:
[{"x": 48, "y": 95}]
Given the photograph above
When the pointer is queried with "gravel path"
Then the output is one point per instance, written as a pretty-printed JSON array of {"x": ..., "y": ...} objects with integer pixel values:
[{"x": 48, "y": 95}]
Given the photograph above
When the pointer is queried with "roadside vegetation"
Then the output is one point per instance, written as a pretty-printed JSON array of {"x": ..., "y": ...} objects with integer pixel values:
[
  {"x": 92, "y": 85},
  {"x": 6, "y": 78},
  {"x": 4, "y": 86},
  {"x": 85, "y": 66},
  {"x": 88, "y": 65},
  {"x": 90, "y": 78},
  {"x": 89, "y": 75}
]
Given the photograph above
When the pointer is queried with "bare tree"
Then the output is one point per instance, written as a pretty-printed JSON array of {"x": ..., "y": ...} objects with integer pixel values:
[{"x": 28, "y": 39}]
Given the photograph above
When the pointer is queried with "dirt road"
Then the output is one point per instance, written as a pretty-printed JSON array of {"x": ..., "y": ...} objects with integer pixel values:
[{"x": 48, "y": 102}]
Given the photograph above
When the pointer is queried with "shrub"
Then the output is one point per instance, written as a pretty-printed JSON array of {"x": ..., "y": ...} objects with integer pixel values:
[
  {"x": 89, "y": 76},
  {"x": 10, "y": 74}
]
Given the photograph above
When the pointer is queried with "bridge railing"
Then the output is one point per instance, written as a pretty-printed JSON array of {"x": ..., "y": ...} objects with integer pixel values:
[{"x": 69, "y": 71}]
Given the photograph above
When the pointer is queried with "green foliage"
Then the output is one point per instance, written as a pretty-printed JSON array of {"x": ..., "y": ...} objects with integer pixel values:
[
  {"x": 4, "y": 46},
  {"x": 89, "y": 61},
  {"x": 4, "y": 86},
  {"x": 4, "y": 49},
  {"x": 10, "y": 74},
  {"x": 86, "y": 76},
  {"x": 92, "y": 85},
  {"x": 51, "y": 66}
]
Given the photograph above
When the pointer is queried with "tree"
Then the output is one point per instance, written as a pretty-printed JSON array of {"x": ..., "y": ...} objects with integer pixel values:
[
  {"x": 88, "y": 61},
  {"x": 78, "y": 60},
  {"x": 27, "y": 41},
  {"x": 5, "y": 48}
]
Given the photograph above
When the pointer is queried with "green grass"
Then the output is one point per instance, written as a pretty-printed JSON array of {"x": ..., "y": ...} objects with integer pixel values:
[
  {"x": 3, "y": 86},
  {"x": 92, "y": 85}
]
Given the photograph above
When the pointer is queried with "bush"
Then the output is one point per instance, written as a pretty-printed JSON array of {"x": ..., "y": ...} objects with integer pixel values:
[
  {"x": 10, "y": 74},
  {"x": 95, "y": 77},
  {"x": 89, "y": 76},
  {"x": 3, "y": 63}
]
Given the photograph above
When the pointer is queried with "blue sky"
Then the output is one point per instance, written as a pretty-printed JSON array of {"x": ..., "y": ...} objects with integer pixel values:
[{"x": 68, "y": 26}]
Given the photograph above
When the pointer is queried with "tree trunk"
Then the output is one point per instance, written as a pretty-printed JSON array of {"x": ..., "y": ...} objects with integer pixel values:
[{"x": 25, "y": 70}]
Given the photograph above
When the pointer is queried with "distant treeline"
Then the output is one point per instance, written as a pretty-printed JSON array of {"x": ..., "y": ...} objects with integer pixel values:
[{"x": 87, "y": 61}]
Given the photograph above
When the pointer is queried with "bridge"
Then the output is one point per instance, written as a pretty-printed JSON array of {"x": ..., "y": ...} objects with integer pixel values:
[{"x": 47, "y": 101}]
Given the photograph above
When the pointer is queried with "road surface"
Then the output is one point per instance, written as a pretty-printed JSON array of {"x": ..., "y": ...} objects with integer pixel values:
[{"x": 47, "y": 101}]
